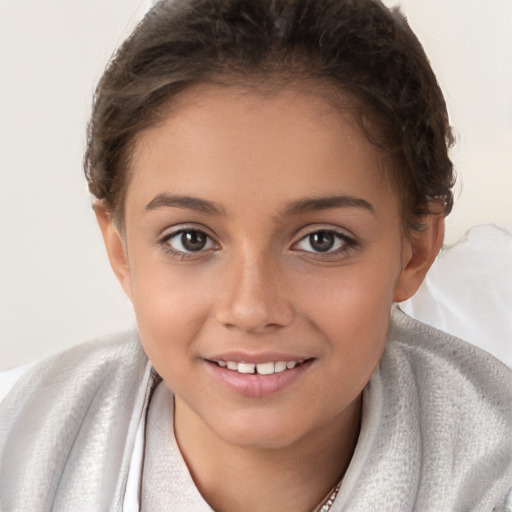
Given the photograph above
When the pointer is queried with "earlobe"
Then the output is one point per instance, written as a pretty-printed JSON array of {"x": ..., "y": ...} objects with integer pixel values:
[
  {"x": 115, "y": 246},
  {"x": 420, "y": 251}
]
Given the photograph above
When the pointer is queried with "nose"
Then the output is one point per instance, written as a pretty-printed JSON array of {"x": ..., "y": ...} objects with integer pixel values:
[{"x": 253, "y": 295}]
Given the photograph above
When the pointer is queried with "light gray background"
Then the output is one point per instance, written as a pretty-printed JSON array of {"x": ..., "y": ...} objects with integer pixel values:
[{"x": 56, "y": 286}]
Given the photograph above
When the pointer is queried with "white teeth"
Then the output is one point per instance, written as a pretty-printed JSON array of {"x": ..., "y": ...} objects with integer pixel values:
[
  {"x": 246, "y": 367},
  {"x": 260, "y": 368},
  {"x": 265, "y": 368},
  {"x": 280, "y": 366}
]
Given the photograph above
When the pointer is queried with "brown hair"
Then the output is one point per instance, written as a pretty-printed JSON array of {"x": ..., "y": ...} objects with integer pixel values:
[{"x": 366, "y": 50}]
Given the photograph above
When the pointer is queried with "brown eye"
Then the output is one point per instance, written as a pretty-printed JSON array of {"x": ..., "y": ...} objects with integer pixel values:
[
  {"x": 322, "y": 241},
  {"x": 193, "y": 240},
  {"x": 188, "y": 241},
  {"x": 325, "y": 241}
]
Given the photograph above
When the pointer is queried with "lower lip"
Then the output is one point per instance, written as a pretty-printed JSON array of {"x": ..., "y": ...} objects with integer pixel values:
[{"x": 255, "y": 385}]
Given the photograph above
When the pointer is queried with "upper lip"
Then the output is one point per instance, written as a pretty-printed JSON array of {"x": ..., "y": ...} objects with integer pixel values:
[{"x": 261, "y": 357}]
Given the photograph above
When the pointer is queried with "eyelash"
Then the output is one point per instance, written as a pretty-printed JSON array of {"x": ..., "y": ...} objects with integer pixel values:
[
  {"x": 179, "y": 254},
  {"x": 347, "y": 243}
]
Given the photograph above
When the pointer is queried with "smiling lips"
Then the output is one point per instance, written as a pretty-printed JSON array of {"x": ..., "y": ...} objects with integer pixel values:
[
  {"x": 268, "y": 368},
  {"x": 258, "y": 375}
]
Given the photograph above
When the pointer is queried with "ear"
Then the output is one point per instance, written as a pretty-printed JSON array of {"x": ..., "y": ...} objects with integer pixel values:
[
  {"x": 419, "y": 252},
  {"x": 115, "y": 246}
]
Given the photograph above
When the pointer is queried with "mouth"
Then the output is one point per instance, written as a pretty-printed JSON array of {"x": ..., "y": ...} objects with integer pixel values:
[
  {"x": 258, "y": 379},
  {"x": 267, "y": 368}
]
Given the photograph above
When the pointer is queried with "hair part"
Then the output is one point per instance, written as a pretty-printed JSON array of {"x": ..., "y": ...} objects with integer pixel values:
[{"x": 359, "y": 47}]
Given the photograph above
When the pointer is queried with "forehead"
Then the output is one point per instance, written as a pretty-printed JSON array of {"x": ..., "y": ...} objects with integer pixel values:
[{"x": 262, "y": 146}]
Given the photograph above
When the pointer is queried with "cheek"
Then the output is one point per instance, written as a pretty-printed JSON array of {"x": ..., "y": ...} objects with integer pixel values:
[
  {"x": 351, "y": 307},
  {"x": 171, "y": 307},
  {"x": 355, "y": 295}
]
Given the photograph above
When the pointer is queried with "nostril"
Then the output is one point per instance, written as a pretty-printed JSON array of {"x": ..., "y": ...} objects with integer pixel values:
[{"x": 251, "y": 298}]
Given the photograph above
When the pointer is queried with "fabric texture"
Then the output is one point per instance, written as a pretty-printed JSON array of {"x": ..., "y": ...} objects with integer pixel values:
[
  {"x": 68, "y": 426},
  {"x": 436, "y": 432}
]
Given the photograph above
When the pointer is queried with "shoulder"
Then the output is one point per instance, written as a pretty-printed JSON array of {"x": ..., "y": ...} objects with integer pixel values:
[
  {"x": 79, "y": 406},
  {"x": 429, "y": 350},
  {"x": 453, "y": 400},
  {"x": 87, "y": 362},
  {"x": 448, "y": 373}
]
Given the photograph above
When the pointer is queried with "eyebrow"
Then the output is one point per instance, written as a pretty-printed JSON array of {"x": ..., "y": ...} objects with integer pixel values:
[
  {"x": 186, "y": 202},
  {"x": 314, "y": 204},
  {"x": 301, "y": 206}
]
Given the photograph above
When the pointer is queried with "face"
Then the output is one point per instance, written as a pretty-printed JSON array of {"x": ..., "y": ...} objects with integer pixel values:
[{"x": 263, "y": 249}]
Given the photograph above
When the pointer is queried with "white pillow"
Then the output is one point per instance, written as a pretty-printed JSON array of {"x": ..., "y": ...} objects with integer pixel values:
[{"x": 468, "y": 291}]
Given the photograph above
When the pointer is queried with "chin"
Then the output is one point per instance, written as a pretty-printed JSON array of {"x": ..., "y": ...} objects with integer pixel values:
[{"x": 262, "y": 432}]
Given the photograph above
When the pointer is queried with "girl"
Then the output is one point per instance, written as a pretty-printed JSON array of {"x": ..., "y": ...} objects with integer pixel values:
[{"x": 269, "y": 178}]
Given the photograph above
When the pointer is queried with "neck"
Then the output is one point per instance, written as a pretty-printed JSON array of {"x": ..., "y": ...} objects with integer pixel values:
[{"x": 291, "y": 478}]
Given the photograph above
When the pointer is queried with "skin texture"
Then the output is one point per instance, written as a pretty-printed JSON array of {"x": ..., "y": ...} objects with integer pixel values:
[{"x": 256, "y": 166}]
